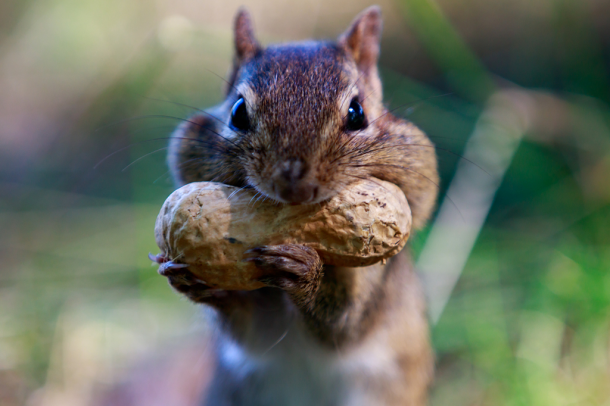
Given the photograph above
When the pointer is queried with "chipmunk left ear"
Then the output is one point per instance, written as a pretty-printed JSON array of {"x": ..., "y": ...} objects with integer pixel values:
[
  {"x": 361, "y": 40},
  {"x": 246, "y": 44}
]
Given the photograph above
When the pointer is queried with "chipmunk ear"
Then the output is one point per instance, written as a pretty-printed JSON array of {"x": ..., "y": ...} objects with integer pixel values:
[
  {"x": 246, "y": 45},
  {"x": 361, "y": 40}
]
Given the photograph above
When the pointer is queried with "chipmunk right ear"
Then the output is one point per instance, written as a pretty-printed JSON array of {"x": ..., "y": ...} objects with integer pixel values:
[
  {"x": 246, "y": 45},
  {"x": 361, "y": 40}
]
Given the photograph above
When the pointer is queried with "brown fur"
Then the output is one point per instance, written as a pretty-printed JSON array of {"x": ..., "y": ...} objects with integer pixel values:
[{"x": 298, "y": 145}]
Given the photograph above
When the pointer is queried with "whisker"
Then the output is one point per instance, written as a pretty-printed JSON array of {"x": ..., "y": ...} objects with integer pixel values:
[
  {"x": 419, "y": 102},
  {"x": 368, "y": 179},
  {"x": 173, "y": 102},
  {"x": 237, "y": 191},
  {"x": 416, "y": 103},
  {"x": 360, "y": 153},
  {"x": 142, "y": 157},
  {"x": 351, "y": 88},
  {"x": 230, "y": 84},
  {"x": 367, "y": 96},
  {"x": 162, "y": 175},
  {"x": 143, "y": 117},
  {"x": 258, "y": 199},
  {"x": 190, "y": 107},
  {"x": 167, "y": 128},
  {"x": 256, "y": 194},
  {"x": 160, "y": 139},
  {"x": 279, "y": 340},
  {"x": 127, "y": 147},
  {"x": 221, "y": 78},
  {"x": 341, "y": 148}
]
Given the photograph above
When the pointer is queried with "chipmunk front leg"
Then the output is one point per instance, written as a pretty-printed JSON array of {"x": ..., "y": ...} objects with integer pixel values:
[
  {"x": 297, "y": 269},
  {"x": 337, "y": 304}
]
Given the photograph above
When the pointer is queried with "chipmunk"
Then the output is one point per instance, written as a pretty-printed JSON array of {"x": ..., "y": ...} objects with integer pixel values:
[{"x": 300, "y": 122}]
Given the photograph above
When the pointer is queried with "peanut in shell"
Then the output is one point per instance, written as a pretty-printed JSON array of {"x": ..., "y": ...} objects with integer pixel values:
[{"x": 209, "y": 226}]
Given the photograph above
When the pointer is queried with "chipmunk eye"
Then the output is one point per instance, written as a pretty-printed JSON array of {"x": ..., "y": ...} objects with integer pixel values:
[
  {"x": 355, "y": 116},
  {"x": 239, "y": 116}
]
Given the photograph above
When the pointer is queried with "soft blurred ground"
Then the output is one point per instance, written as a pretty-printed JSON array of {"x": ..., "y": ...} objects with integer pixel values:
[{"x": 529, "y": 320}]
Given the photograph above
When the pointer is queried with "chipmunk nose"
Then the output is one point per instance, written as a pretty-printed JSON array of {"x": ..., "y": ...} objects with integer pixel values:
[{"x": 291, "y": 183}]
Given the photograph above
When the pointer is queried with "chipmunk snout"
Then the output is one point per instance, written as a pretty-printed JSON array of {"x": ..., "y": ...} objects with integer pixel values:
[{"x": 292, "y": 184}]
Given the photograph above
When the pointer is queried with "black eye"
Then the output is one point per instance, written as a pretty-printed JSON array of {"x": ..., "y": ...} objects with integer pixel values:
[
  {"x": 355, "y": 116},
  {"x": 239, "y": 116}
]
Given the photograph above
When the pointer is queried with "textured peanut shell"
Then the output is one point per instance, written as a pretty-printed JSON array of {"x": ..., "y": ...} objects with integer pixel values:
[{"x": 210, "y": 225}]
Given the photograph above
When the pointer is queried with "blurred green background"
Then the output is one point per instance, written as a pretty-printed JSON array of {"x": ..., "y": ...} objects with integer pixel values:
[{"x": 528, "y": 322}]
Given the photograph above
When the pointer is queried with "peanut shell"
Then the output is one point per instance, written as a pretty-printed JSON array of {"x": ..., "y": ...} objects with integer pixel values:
[{"x": 210, "y": 225}]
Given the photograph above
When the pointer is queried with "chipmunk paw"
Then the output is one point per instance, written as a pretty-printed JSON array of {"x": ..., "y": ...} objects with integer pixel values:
[
  {"x": 295, "y": 268},
  {"x": 185, "y": 282}
]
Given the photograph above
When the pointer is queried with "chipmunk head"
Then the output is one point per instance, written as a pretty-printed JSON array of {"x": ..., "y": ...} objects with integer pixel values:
[
  {"x": 290, "y": 114},
  {"x": 300, "y": 121},
  {"x": 295, "y": 106}
]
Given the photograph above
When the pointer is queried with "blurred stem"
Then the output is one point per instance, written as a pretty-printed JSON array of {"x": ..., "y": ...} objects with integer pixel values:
[
  {"x": 462, "y": 69},
  {"x": 470, "y": 195}
]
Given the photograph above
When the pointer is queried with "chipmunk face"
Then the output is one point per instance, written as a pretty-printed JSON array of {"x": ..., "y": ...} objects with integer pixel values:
[
  {"x": 302, "y": 121},
  {"x": 294, "y": 112}
]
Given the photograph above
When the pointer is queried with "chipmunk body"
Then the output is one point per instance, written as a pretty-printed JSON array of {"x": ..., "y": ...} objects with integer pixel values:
[{"x": 300, "y": 123}]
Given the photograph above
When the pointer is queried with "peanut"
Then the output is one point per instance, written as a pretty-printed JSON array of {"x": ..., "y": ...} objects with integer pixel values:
[{"x": 210, "y": 225}]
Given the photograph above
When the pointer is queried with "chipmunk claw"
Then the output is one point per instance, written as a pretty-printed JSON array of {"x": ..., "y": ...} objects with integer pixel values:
[
  {"x": 170, "y": 267},
  {"x": 292, "y": 258},
  {"x": 186, "y": 283},
  {"x": 181, "y": 279},
  {"x": 295, "y": 268},
  {"x": 255, "y": 250},
  {"x": 166, "y": 266},
  {"x": 159, "y": 258}
]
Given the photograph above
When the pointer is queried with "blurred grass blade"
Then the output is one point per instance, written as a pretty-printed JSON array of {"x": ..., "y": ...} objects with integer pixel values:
[
  {"x": 461, "y": 67},
  {"x": 492, "y": 145}
]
